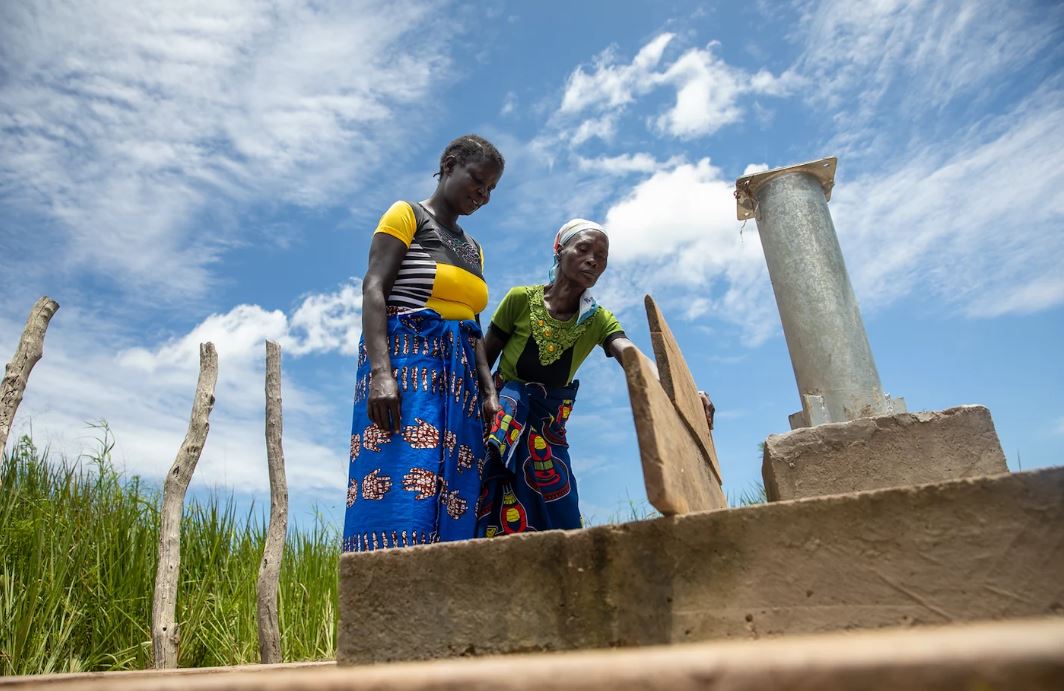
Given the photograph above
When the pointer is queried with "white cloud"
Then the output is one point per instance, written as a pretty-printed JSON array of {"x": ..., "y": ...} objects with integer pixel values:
[
  {"x": 707, "y": 91},
  {"x": 601, "y": 128},
  {"x": 120, "y": 121},
  {"x": 611, "y": 85},
  {"x": 145, "y": 394},
  {"x": 675, "y": 235},
  {"x": 625, "y": 163},
  {"x": 328, "y": 322}
]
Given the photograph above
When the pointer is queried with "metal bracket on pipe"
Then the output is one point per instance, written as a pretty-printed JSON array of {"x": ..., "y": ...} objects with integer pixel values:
[
  {"x": 813, "y": 412},
  {"x": 895, "y": 405},
  {"x": 746, "y": 187}
]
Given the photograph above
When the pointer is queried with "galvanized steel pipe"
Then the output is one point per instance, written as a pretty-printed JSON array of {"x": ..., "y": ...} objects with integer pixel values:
[{"x": 832, "y": 360}]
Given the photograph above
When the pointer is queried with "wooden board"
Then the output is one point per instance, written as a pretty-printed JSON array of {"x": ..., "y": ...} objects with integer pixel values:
[
  {"x": 678, "y": 478},
  {"x": 680, "y": 385}
]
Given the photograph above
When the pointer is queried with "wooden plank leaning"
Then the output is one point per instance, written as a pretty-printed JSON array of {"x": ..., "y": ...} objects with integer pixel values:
[
  {"x": 273, "y": 552},
  {"x": 17, "y": 373},
  {"x": 679, "y": 384},
  {"x": 165, "y": 637},
  {"x": 679, "y": 476}
]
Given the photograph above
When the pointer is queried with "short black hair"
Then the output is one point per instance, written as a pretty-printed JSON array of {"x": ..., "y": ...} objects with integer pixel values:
[{"x": 471, "y": 147}]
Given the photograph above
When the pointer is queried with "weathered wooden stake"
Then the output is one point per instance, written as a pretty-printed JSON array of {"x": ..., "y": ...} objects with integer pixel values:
[
  {"x": 165, "y": 636},
  {"x": 17, "y": 373},
  {"x": 270, "y": 567}
]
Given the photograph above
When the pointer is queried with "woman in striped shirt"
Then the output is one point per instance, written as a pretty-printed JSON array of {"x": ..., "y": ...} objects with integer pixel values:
[{"x": 424, "y": 389}]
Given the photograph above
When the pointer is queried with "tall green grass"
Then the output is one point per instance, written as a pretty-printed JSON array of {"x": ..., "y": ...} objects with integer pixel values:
[{"x": 78, "y": 549}]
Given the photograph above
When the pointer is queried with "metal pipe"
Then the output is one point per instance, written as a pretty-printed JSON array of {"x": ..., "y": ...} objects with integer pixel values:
[{"x": 832, "y": 360}]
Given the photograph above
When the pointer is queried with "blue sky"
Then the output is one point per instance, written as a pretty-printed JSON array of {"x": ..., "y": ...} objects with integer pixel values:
[{"x": 184, "y": 171}]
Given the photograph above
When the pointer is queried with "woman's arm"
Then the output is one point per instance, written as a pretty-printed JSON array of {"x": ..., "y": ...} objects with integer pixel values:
[
  {"x": 385, "y": 256},
  {"x": 493, "y": 345},
  {"x": 618, "y": 346},
  {"x": 488, "y": 350},
  {"x": 489, "y": 406}
]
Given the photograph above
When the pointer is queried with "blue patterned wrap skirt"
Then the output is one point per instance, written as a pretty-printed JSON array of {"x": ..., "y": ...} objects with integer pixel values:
[
  {"x": 528, "y": 478},
  {"x": 420, "y": 485}
]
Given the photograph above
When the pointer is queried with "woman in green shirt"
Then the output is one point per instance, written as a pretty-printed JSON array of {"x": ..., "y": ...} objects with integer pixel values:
[{"x": 543, "y": 333}]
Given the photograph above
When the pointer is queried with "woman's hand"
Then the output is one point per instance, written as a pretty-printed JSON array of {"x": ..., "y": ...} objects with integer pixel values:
[
  {"x": 382, "y": 406},
  {"x": 489, "y": 405},
  {"x": 710, "y": 408},
  {"x": 490, "y": 408}
]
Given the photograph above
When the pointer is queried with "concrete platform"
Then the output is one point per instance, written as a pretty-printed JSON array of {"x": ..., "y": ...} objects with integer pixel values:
[
  {"x": 879, "y": 452},
  {"x": 1027, "y": 655},
  {"x": 985, "y": 548}
]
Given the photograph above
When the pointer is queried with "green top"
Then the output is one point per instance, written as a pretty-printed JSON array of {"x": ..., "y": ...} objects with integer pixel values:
[{"x": 539, "y": 348}]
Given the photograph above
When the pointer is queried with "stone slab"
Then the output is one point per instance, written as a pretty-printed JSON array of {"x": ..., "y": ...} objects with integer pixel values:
[
  {"x": 886, "y": 451},
  {"x": 677, "y": 476},
  {"x": 1027, "y": 655},
  {"x": 679, "y": 384},
  {"x": 984, "y": 548}
]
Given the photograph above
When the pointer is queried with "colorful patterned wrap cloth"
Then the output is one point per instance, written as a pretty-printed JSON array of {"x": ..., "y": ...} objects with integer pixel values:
[
  {"x": 421, "y": 485},
  {"x": 528, "y": 479}
]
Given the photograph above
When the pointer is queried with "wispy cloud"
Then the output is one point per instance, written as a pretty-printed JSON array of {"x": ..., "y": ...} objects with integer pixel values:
[
  {"x": 924, "y": 51},
  {"x": 707, "y": 89},
  {"x": 625, "y": 163},
  {"x": 885, "y": 64},
  {"x": 973, "y": 222},
  {"x": 135, "y": 131}
]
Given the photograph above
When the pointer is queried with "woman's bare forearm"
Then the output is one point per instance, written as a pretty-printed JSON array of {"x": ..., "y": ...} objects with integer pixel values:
[
  {"x": 375, "y": 328},
  {"x": 487, "y": 383}
]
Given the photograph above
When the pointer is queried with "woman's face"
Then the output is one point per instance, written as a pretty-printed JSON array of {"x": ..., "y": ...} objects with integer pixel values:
[
  {"x": 584, "y": 258},
  {"x": 468, "y": 186}
]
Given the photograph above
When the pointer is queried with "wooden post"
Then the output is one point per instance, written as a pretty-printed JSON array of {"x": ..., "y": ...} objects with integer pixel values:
[
  {"x": 273, "y": 552},
  {"x": 165, "y": 636},
  {"x": 17, "y": 373}
]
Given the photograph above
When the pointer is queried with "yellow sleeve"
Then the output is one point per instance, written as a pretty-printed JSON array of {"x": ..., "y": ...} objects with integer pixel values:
[{"x": 399, "y": 222}]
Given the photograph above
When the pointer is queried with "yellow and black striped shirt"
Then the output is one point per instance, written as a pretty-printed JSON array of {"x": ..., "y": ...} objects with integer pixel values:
[{"x": 443, "y": 268}]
